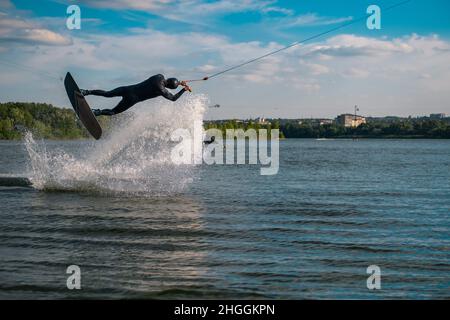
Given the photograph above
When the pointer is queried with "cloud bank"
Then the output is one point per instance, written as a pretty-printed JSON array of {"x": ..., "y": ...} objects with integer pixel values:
[
  {"x": 27, "y": 31},
  {"x": 401, "y": 75}
]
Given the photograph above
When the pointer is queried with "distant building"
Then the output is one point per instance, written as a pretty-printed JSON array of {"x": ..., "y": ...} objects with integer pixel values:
[
  {"x": 437, "y": 116},
  {"x": 324, "y": 122},
  {"x": 262, "y": 120},
  {"x": 350, "y": 120}
]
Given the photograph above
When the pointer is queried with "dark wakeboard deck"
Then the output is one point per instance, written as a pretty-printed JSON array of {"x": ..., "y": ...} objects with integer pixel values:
[{"x": 81, "y": 107}]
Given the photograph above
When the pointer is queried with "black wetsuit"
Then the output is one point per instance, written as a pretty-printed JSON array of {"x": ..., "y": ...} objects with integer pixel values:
[{"x": 151, "y": 88}]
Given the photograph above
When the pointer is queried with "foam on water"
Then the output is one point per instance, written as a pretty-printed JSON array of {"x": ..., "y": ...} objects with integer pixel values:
[{"x": 133, "y": 157}]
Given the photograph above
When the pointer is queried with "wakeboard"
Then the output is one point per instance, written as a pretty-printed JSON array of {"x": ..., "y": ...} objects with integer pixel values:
[{"x": 81, "y": 107}]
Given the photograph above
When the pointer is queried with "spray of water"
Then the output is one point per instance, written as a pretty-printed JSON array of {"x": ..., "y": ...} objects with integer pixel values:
[{"x": 133, "y": 157}]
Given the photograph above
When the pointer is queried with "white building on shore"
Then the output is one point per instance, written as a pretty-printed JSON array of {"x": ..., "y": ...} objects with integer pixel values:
[{"x": 350, "y": 120}]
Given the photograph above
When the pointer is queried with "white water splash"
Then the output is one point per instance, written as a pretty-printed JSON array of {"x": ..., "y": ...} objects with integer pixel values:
[{"x": 133, "y": 157}]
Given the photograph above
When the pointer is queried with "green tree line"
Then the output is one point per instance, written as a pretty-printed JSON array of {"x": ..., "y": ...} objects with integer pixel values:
[
  {"x": 49, "y": 122},
  {"x": 245, "y": 125},
  {"x": 401, "y": 128},
  {"x": 44, "y": 120}
]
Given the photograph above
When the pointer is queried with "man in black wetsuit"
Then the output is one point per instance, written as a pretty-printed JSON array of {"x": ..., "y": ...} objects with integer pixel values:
[{"x": 151, "y": 88}]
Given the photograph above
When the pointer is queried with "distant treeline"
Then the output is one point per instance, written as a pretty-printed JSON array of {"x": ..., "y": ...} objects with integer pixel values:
[
  {"x": 49, "y": 122},
  {"x": 43, "y": 120},
  {"x": 389, "y": 128},
  {"x": 245, "y": 125}
]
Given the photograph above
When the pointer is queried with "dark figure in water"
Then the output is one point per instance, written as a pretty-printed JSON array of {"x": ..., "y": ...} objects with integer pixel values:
[
  {"x": 151, "y": 88},
  {"x": 210, "y": 141}
]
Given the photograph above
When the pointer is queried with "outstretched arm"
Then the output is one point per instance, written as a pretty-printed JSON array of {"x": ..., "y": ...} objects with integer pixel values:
[{"x": 172, "y": 97}]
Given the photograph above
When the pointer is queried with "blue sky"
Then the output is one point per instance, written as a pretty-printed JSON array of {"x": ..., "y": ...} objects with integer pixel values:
[{"x": 401, "y": 69}]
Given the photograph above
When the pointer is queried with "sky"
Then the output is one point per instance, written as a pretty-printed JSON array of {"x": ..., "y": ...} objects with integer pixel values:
[{"x": 402, "y": 69}]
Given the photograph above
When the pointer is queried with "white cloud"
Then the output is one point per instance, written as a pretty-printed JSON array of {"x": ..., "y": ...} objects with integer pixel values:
[
  {"x": 191, "y": 11},
  {"x": 400, "y": 55},
  {"x": 315, "y": 69},
  {"x": 201, "y": 12},
  {"x": 129, "y": 4},
  {"x": 278, "y": 10},
  {"x": 306, "y": 85},
  {"x": 189, "y": 6},
  {"x": 6, "y": 4},
  {"x": 313, "y": 19},
  {"x": 25, "y": 31},
  {"x": 207, "y": 68},
  {"x": 230, "y": 6},
  {"x": 356, "y": 73},
  {"x": 351, "y": 46},
  {"x": 268, "y": 71}
]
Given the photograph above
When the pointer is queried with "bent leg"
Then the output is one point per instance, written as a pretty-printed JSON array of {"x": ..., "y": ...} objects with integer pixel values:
[
  {"x": 123, "y": 105},
  {"x": 118, "y": 92}
]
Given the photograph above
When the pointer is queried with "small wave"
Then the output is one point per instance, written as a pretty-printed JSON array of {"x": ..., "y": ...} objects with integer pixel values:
[{"x": 200, "y": 292}]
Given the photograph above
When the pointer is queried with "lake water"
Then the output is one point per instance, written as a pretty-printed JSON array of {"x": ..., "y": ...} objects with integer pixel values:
[{"x": 335, "y": 208}]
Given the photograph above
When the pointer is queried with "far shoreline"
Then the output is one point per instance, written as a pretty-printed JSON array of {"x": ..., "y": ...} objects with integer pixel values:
[
  {"x": 46, "y": 121},
  {"x": 281, "y": 139}
]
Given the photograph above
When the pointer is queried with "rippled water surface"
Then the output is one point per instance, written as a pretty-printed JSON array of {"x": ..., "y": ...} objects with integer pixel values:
[{"x": 311, "y": 231}]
